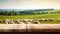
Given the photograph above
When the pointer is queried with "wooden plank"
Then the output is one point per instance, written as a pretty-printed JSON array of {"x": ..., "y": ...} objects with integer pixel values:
[
  {"x": 12, "y": 27},
  {"x": 29, "y": 27},
  {"x": 43, "y": 27}
]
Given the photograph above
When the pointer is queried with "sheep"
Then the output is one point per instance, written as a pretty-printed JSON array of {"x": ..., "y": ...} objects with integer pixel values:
[
  {"x": 19, "y": 21},
  {"x": 9, "y": 21},
  {"x": 43, "y": 19},
  {"x": 28, "y": 21},
  {"x": 12, "y": 21},
  {"x": 46, "y": 19},
  {"x": 36, "y": 22},
  {"x": 50, "y": 19}
]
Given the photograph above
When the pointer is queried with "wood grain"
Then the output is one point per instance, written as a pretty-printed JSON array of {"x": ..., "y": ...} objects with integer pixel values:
[{"x": 29, "y": 27}]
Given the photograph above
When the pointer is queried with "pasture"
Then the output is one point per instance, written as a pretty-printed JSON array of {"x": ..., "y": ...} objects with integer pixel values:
[{"x": 39, "y": 16}]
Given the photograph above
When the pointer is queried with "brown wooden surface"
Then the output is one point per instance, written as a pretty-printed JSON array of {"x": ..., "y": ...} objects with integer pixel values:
[
  {"x": 43, "y": 27},
  {"x": 29, "y": 27}
]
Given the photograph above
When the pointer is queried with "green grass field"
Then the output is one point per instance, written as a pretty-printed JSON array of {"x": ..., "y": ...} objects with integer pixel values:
[{"x": 54, "y": 16}]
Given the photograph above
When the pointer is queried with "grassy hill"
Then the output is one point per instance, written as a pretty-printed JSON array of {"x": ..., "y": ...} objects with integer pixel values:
[{"x": 55, "y": 15}]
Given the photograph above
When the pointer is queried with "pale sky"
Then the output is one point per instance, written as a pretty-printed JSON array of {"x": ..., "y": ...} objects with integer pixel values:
[{"x": 30, "y": 4}]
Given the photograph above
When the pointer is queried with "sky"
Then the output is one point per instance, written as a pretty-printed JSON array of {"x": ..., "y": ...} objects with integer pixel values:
[{"x": 29, "y": 4}]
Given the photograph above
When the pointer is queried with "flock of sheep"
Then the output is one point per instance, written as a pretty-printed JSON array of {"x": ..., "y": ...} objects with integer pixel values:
[{"x": 26, "y": 21}]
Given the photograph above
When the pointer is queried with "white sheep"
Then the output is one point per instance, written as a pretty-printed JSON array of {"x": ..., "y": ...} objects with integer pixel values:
[
  {"x": 19, "y": 21},
  {"x": 12, "y": 21},
  {"x": 51, "y": 19},
  {"x": 9, "y": 21},
  {"x": 28, "y": 21},
  {"x": 36, "y": 22}
]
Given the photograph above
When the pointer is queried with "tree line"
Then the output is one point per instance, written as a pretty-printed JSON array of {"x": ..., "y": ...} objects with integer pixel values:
[{"x": 26, "y": 12}]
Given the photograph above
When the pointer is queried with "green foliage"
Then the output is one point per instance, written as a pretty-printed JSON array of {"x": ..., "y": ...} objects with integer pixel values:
[
  {"x": 24, "y": 12},
  {"x": 31, "y": 14},
  {"x": 37, "y": 16}
]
